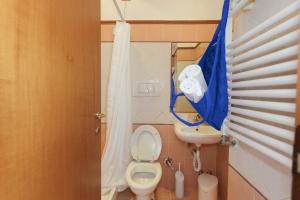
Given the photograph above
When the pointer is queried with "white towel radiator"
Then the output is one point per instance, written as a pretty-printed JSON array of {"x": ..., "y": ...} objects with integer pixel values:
[{"x": 262, "y": 83}]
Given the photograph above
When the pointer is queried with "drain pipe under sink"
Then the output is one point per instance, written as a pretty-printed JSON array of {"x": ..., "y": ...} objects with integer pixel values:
[{"x": 196, "y": 159}]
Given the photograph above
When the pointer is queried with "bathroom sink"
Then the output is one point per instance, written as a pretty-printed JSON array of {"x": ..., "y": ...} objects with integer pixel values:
[{"x": 202, "y": 134}]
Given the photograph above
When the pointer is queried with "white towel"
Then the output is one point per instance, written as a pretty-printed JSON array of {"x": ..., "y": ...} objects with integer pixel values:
[
  {"x": 191, "y": 71},
  {"x": 192, "y": 83},
  {"x": 191, "y": 88}
]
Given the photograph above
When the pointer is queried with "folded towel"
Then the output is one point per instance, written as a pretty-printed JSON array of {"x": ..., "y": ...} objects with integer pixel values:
[
  {"x": 192, "y": 89},
  {"x": 191, "y": 71},
  {"x": 192, "y": 83}
]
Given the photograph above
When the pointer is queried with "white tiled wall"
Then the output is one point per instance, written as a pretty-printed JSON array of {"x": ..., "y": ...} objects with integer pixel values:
[{"x": 149, "y": 62}]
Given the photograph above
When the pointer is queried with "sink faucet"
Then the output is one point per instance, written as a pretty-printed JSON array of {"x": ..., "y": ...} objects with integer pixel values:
[{"x": 197, "y": 117}]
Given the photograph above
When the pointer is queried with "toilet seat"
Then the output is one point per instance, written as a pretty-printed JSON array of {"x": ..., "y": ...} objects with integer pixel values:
[
  {"x": 143, "y": 174},
  {"x": 145, "y": 144}
]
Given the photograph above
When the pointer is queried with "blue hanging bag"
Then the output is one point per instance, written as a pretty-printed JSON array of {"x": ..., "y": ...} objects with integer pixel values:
[{"x": 213, "y": 106}]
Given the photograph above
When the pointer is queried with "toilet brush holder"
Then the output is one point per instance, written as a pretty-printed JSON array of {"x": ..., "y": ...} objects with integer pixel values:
[{"x": 179, "y": 183}]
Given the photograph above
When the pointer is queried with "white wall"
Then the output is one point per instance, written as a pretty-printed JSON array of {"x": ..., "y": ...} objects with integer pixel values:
[
  {"x": 266, "y": 175},
  {"x": 164, "y": 9},
  {"x": 148, "y": 62}
]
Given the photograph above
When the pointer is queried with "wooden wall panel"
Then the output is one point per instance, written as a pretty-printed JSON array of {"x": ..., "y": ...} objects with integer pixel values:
[{"x": 164, "y": 32}]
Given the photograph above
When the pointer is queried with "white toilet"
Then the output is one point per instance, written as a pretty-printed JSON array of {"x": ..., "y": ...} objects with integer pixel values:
[{"x": 144, "y": 173}]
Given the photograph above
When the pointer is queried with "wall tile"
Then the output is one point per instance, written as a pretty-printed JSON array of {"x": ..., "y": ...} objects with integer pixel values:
[
  {"x": 238, "y": 188},
  {"x": 152, "y": 32},
  {"x": 181, "y": 152},
  {"x": 258, "y": 196},
  {"x": 208, "y": 156},
  {"x": 145, "y": 109},
  {"x": 222, "y": 170}
]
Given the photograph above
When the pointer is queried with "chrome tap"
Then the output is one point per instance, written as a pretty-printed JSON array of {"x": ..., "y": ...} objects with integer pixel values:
[{"x": 197, "y": 118}]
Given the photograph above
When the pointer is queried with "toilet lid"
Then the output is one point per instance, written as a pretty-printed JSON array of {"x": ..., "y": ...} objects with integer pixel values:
[{"x": 145, "y": 143}]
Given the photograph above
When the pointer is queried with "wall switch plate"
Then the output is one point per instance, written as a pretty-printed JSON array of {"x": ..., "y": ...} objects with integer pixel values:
[{"x": 151, "y": 88}]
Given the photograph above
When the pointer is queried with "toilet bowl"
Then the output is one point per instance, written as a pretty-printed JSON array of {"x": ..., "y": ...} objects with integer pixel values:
[{"x": 144, "y": 173}]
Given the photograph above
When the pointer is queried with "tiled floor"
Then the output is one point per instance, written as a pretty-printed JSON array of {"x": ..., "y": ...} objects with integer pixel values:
[{"x": 161, "y": 194}]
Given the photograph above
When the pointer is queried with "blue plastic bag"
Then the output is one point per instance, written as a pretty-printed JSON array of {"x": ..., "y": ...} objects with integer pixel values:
[{"x": 213, "y": 107}]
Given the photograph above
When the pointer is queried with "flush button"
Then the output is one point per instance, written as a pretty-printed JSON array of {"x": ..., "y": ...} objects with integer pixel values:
[{"x": 150, "y": 88}]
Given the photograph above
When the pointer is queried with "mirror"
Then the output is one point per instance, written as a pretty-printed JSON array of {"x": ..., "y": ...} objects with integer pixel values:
[{"x": 184, "y": 54}]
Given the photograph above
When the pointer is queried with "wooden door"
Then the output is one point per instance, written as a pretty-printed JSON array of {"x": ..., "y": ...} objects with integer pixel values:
[{"x": 49, "y": 60}]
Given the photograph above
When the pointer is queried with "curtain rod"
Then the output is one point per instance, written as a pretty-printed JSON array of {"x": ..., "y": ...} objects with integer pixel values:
[{"x": 119, "y": 10}]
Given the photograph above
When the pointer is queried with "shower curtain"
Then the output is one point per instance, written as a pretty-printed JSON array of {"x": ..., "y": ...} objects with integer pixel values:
[{"x": 116, "y": 155}]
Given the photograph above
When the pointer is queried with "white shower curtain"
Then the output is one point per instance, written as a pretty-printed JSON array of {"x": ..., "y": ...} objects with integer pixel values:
[{"x": 116, "y": 155}]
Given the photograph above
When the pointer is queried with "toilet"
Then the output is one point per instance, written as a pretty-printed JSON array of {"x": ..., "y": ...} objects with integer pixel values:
[{"x": 144, "y": 173}]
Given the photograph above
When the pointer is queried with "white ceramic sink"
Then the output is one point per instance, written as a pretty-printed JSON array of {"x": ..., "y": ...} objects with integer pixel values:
[{"x": 202, "y": 134}]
